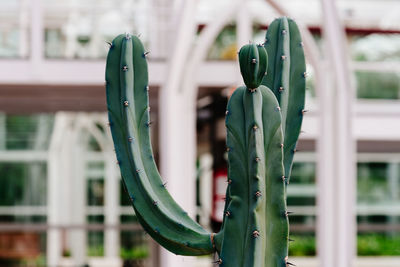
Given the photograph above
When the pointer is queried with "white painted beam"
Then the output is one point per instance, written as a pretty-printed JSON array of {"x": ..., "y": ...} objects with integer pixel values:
[
  {"x": 177, "y": 121},
  {"x": 73, "y": 72},
  {"x": 336, "y": 180}
]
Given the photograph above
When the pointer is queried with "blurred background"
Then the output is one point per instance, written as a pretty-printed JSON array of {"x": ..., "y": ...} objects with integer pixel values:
[{"x": 61, "y": 199}]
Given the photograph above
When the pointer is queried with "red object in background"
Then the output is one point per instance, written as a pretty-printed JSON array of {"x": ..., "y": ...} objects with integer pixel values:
[
  {"x": 220, "y": 178},
  {"x": 19, "y": 245}
]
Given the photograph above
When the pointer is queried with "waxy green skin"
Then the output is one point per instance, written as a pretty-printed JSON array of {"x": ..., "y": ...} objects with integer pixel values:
[
  {"x": 286, "y": 78},
  {"x": 255, "y": 227},
  {"x": 255, "y": 230},
  {"x": 162, "y": 218}
]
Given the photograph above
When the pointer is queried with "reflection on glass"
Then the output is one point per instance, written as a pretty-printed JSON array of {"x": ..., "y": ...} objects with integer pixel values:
[
  {"x": 95, "y": 244},
  {"x": 23, "y": 184},
  {"x": 376, "y": 47},
  {"x": 23, "y": 132},
  {"x": 301, "y": 199},
  {"x": 378, "y": 85},
  {"x": 378, "y": 196},
  {"x": 95, "y": 239},
  {"x": 76, "y": 29},
  {"x": 304, "y": 245},
  {"x": 95, "y": 183},
  {"x": 378, "y": 244},
  {"x": 224, "y": 46},
  {"x": 135, "y": 248},
  {"x": 14, "y": 30},
  {"x": 372, "y": 183}
]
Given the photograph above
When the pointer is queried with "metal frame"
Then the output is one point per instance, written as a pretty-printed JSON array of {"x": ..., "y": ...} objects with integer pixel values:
[
  {"x": 66, "y": 177},
  {"x": 180, "y": 77}
]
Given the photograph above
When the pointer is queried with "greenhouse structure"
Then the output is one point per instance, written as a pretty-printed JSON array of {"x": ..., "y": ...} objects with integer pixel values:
[{"x": 62, "y": 203}]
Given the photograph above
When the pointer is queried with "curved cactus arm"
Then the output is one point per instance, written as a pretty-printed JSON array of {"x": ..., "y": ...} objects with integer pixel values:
[
  {"x": 255, "y": 226},
  {"x": 286, "y": 78},
  {"x": 128, "y": 110}
]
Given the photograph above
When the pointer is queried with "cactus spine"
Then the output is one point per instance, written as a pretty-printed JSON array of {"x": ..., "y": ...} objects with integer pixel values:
[
  {"x": 128, "y": 106},
  {"x": 286, "y": 78},
  {"x": 260, "y": 122}
]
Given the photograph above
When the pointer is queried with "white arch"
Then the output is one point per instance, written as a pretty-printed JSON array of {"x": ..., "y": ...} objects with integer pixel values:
[
  {"x": 66, "y": 183},
  {"x": 336, "y": 168},
  {"x": 178, "y": 108},
  {"x": 185, "y": 136}
]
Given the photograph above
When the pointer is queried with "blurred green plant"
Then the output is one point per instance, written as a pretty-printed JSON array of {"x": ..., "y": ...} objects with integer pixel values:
[
  {"x": 377, "y": 85},
  {"x": 367, "y": 245},
  {"x": 95, "y": 251},
  {"x": 66, "y": 253},
  {"x": 303, "y": 245},
  {"x": 135, "y": 253},
  {"x": 372, "y": 184},
  {"x": 378, "y": 245},
  {"x": 16, "y": 184}
]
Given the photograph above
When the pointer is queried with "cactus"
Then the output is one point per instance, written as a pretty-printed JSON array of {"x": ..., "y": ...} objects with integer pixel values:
[
  {"x": 260, "y": 122},
  {"x": 286, "y": 78},
  {"x": 128, "y": 109}
]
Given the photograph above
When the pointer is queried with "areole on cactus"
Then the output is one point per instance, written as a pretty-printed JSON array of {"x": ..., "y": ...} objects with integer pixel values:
[{"x": 263, "y": 123}]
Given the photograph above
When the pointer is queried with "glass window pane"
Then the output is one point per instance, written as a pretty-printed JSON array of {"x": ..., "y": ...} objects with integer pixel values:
[
  {"x": 95, "y": 183},
  {"x": 375, "y": 47},
  {"x": 95, "y": 192},
  {"x": 378, "y": 244},
  {"x": 26, "y": 132},
  {"x": 23, "y": 184},
  {"x": 95, "y": 244},
  {"x": 225, "y": 46},
  {"x": 80, "y": 29},
  {"x": 135, "y": 249},
  {"x": 14, "y": 29},
  {"x": 372, "y": 183},
  {"x": 301, "y": 200},
  {"x": 378, "y": 199},
  {"x": 378, "y": 85}
]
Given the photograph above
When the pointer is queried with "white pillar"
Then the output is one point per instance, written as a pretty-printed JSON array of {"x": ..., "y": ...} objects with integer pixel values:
[
  {"x": 394, "y": 188},
  {"x": 177, "y": 124},
  {"x": 111, "y": 206},
  {"x": 77, "y": 197},
  {"x": 24, "y": 12},
  {"x": 55, "y": 190},
  {"x": 244, "y": 24},
  {"x": 95, "y": 34},
  {"x": 159, "y": 34},
  {"x": 336, "y": 227},
  {"x": 71, "y": 44},
  {"x": 3, "y": 131},
  {"x": 178, "y": 114},
  {"x": 37, "y": 37},
  {"x": 244, "y": 30}
]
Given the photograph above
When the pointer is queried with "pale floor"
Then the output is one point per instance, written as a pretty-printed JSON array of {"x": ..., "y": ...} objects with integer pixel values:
[{"x": 299, "y": 261}]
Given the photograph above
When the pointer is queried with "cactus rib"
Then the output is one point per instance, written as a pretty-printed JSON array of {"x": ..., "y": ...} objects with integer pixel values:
[
  {"x": 127, "y": 102},
  {"x": 263, "y": 121},
  {"x": 256, "y": 192},
  {"x": 286, "y": 79}
]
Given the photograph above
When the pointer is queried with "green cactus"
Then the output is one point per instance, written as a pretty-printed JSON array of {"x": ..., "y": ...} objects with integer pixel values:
[
  {"x": 256, "y": 189},
  {"x": 286, "y": 78},
  {"x": 128, "y": 109},
  {"x": 260, "y": 122}
]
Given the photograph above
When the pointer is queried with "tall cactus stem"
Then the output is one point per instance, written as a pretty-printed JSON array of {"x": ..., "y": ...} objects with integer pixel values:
[
  {"x": 286, "y": 79},
  {"x": 263, "y": 121}
]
